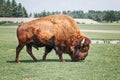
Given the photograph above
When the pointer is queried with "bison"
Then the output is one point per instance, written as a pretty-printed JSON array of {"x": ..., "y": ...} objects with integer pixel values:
[{"x": 58, "y": 32}]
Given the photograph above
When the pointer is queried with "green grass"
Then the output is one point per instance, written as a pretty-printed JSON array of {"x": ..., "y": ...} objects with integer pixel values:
[
  {"x": 106, "y": 36},
  {"x": 9, "y": 24},
  {"x": 100, "y": 26},
  {"x": 104, "y": 26},
  {"x": 102, "y": 63}
]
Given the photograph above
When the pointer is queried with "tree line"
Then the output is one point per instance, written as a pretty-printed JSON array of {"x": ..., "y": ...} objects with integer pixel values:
[
  {"x": 108, "y": 16},
  {"x": 9, "y": 8}
]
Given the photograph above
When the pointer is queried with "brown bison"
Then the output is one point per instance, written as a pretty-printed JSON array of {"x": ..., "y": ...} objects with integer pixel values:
[{"x": 58, "y": 32}]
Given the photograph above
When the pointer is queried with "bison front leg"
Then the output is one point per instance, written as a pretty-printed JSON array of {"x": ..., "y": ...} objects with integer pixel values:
[
  {"x": 61, "y": 57},
  {"x": 18, "y": 49},
  {"x": 72, "y": 58},
  {"x": 59, "y": 52},
  {"x": 29, "y": 50},
  {"x": 47, "y": 50}
]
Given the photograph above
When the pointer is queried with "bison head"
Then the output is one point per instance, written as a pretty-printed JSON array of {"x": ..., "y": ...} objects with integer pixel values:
[{"x": 80, "y": 48}]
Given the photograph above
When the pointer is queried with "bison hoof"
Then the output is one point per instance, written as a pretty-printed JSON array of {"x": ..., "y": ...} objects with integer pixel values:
[
  {"x": 43, "y": 59},
  {"x": 35, "y": 60},
  {"x": 62, "y": 60},
  {"x": 17, "y": 60}
]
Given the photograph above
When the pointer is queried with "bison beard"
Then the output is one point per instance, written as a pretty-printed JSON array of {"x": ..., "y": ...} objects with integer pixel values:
[{"x": 58, "y": 32}]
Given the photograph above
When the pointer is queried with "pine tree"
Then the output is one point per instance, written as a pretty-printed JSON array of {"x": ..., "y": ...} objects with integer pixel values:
[
  {"x": 25, "y": 14},
  {"x": 14, "y": 8},
  {"x": 109, "y": 16},
  {"x": 30, "y": 15},
  {"x": 8, "y": 9},
  {"x": 19, "y": 11},
  {"x": 2, "y": 7}
]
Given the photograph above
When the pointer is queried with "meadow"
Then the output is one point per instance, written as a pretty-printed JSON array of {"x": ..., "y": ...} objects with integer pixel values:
[
  {"x": 102, "y": 63},
  {"x": 94, "y": 35}
]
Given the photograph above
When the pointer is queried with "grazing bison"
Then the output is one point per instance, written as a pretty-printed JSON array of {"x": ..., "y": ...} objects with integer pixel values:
[{"x": 58, "y": 32}]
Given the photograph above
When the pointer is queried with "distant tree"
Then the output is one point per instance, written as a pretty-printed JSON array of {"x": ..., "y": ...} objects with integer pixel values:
[
  {"x": 44, "y": 13},
  {"x": 100, "y": 16},
  {"x": 34, "y": 15},
  {"x": 30, "y": 15},
  {"x": 64, "y": 12},
  {"x": 117, "y": 15},
  {"x": 19, "y": 11},
  {"x": 25, "y": 14},
  {"x": 1, "y": 2},
  {"x": 48, "y": 13},
  {"x": 109, "y": 16},
  {"x": 8, "y": 10},
  {"x": 14, "y": 8},
  {"x": 2, "y": 8}
]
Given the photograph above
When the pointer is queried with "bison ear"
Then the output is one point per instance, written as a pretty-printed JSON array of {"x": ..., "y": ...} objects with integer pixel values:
[{"x": 82, "y": 42}]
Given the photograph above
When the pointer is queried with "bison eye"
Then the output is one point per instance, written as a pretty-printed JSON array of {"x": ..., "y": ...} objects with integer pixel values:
[{"x": 77, "y": 47}]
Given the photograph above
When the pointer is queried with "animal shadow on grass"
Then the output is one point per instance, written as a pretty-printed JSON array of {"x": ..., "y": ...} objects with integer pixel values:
[
  {"x": 23, "y": 61},
  {"x": 56, "y": 60},
  {"x": 47, "y": 60}
]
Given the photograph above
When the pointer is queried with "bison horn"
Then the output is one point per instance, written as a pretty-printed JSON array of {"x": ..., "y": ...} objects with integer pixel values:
[{"x": 82, "y": 42}]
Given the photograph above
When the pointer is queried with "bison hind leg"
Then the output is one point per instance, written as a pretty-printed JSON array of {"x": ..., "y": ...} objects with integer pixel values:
[
  {"x": 29, "y": 50},
  {"x": 18, "y": 49},
  {"x": 47, "y": 50}
]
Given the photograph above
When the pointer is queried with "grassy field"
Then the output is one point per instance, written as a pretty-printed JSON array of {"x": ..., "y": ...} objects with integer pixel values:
[
  {"x": 94, "y": 35},
  {"x": 102, "y": 63},
  {"x": 107, "y": 26}
]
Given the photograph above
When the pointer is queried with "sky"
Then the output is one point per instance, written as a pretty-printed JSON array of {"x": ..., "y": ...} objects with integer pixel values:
[{"x": 33, "y": 6}]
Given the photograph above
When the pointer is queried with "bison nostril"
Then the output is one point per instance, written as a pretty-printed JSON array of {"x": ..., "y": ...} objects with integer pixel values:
[{"x": 82, "y": 58}]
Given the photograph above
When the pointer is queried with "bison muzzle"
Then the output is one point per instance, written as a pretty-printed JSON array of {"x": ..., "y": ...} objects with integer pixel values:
[{"x": 58, "y": 32}]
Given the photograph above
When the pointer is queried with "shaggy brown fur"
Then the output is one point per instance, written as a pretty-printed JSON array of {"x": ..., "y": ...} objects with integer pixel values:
[{"x": 58, "y": 32}]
